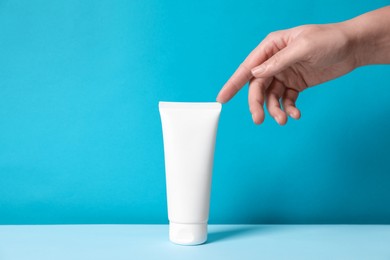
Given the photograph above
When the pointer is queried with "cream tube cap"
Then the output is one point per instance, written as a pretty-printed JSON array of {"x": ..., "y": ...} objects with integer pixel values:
[{"x": 187, "y": 234}]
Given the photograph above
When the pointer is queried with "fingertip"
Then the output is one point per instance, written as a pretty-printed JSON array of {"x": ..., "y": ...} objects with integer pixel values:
[
  {"x": 295, "y": 113},
  {"x": 281, "y": 119},
  {"x": 297, "y": 116},
  {"x": 221, "y": 98},
  {"x": 258, "y": 118}
]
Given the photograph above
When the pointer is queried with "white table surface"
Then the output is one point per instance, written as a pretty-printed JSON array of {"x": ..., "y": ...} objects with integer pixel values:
[{"x": 224, "y": 242}]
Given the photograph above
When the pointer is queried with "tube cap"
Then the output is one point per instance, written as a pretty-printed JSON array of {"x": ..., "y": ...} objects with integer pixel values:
[{"x": 187, "y": 234}]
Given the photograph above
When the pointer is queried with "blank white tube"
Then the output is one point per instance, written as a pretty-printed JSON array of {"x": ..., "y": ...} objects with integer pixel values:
[{"x": 189, "y": 133}]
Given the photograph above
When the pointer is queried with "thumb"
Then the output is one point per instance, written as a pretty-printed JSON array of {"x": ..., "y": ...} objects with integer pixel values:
[{"x": 279, "y": 61}]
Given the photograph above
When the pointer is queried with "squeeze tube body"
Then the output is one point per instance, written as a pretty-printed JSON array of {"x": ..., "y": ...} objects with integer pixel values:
[{"x": 189, "y": 133}]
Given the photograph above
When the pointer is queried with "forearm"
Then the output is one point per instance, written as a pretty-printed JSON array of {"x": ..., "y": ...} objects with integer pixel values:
[{"x": 370, "y": 37}]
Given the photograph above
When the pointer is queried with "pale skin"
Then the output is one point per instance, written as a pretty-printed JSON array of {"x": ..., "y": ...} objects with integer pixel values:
[{"x": 289, "y": 61}]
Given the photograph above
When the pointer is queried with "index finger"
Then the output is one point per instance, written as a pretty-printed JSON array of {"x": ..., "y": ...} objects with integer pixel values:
[
  {"x": 243, "y": 73},
  {"x": 239, "y": 78}
]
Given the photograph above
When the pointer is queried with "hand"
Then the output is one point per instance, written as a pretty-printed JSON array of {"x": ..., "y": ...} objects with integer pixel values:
[{"x": 287, "y": 62}]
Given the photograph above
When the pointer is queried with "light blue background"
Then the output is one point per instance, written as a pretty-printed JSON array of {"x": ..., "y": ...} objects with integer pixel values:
[{"x": 80, "y": 133}]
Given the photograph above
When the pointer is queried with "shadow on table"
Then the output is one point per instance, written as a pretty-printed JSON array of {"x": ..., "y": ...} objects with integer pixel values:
[{"x": 233, "y": 232}]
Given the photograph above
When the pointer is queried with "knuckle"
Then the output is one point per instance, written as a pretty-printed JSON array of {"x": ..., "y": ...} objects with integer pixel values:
[
  {"x": 274, "y": 34},
  {"x": 246, "y": 71},
  {"x": 271, "y": 35},
  {"x": 305, "y": 42},
  {"x": 253, "y": 100}
]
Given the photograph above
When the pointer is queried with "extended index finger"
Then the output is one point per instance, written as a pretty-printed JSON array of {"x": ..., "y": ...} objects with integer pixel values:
[
  {"x": 239, "y": 78},
  {"x": 243, "y": 73}
]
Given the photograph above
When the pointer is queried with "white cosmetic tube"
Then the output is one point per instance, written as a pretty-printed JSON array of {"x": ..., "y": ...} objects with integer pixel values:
[{"x": 189, "y": 133}]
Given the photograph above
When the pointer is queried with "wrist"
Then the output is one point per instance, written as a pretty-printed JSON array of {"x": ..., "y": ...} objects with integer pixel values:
[
  {"x": 369, "y": 37},
  {"x": 355, "y": 43}
]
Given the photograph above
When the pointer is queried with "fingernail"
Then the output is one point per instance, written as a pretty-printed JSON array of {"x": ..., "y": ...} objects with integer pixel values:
[
  {"x": 253, "y": 117},
  {"x": 277, "y": 119},
  {"x": 258, "y": 70}
]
